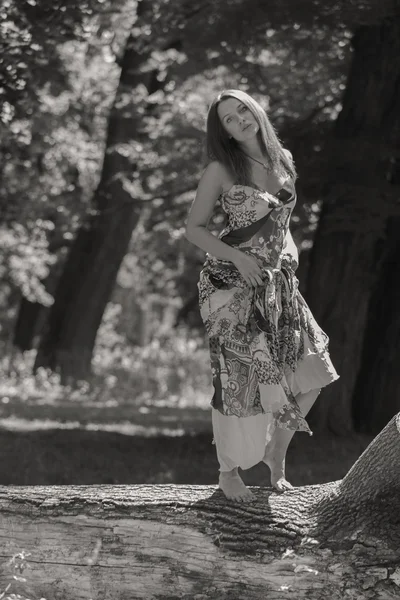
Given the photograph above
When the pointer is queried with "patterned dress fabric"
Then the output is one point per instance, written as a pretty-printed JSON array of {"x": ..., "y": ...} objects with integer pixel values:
[{"x": 265, "y": 345}]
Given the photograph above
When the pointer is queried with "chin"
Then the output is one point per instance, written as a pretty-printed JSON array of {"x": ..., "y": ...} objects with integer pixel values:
[{"x": 250, "y": 132}]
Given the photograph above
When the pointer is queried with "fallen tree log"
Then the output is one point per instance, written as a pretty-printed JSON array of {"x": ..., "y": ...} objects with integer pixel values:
[{"x": 332, "y": 541}]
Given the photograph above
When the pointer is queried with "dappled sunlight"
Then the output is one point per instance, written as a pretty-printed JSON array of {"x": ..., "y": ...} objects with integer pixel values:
[
  {"x": 125, "y": 428},
  {"x": 161, "y": 418},
  {"x": 153, "y": 394}
]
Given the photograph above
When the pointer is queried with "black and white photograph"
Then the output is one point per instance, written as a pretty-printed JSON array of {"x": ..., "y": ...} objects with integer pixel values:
[{"x": 199, "y": 299}]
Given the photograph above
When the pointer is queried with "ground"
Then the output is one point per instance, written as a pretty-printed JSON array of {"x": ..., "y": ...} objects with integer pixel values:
[{"x": 57, "y": 442}]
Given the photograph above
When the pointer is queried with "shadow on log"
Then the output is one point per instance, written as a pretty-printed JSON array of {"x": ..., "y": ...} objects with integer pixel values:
[{"x": 332, "y": 541}]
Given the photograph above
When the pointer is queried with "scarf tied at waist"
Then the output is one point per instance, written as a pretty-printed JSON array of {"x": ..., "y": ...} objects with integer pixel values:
[{"x": 267, "y": 293}]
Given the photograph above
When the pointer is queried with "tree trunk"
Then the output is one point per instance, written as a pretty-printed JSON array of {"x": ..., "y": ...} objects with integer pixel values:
[
  {"x": 348, "y": 248},
  {"x": 336, "y": 540},
  {"x": 92, "y": 266},
  {"x": 376, "y": 396},
  {"x": 26, "y": 323}
]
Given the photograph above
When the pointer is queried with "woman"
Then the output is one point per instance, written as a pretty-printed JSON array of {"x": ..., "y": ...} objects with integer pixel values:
[{"x": 269, "y": 357}]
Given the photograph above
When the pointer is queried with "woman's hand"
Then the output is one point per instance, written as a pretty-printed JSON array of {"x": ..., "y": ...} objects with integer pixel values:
[{"x": 248, "y": 267}]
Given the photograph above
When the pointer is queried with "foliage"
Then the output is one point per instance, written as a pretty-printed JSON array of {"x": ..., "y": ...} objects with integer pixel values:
[
  {"x": 51, "y": 152},
  {"x": 172, "y": 367},
  {"x": 54, "y": 130},
  {"x": 32, "y": 32},
  {"x": 59, "y": 77}
]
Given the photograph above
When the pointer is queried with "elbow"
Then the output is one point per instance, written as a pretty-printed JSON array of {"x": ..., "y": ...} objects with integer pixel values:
[
  {"x": 192, "y": 231},
  {"x": 189, "y": 232}
]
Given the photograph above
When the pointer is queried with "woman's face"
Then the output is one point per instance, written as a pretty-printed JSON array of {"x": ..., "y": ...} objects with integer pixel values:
[{"x": 237, "y": 120}]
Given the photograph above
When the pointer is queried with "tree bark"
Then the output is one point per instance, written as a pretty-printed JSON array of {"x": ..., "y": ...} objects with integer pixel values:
[
  {"x": 336, "y": 540},
  {"x": 26, "y": 323},
  {"x": 376, "y": 396},
  {"x": 92, "y": 266},
  {"x": 361, "y": 197}
]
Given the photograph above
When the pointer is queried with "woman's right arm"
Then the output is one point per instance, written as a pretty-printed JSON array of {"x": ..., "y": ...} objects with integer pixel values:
[{"x": 208, "y": 192}]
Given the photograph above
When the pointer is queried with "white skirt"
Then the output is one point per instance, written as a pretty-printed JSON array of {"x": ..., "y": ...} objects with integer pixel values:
[{"x": 240, "y": 441}]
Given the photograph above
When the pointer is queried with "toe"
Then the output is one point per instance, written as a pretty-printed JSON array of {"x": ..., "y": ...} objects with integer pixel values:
[{"x": 284, "y": 485}]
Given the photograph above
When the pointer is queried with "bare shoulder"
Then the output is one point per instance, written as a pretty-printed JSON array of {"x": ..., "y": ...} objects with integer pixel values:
[
  {"x": 216, "y": 171},
  {"x": 216, "y": 178},
  {"x": 222, "y": 174}
]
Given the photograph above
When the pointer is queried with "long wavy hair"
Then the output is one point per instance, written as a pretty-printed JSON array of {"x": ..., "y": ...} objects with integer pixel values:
[{"x": 227, "y": 150}]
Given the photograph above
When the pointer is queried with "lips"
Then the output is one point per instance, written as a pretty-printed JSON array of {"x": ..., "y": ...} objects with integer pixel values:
[{"x": 246, "y": 127}]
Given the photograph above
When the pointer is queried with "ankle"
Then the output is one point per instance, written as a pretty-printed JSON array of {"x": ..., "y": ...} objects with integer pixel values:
[
  {"x": 275, "y": 460},
  {"x": 269, "y": 451}
]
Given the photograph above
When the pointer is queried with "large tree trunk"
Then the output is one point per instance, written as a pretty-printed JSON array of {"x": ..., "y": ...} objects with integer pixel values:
[
  {"x": 377, "y": 395},
  {"x": 92, "y": 266},
  {"x": 336, "y": 540},
  {"x": 348, "y": 248}
]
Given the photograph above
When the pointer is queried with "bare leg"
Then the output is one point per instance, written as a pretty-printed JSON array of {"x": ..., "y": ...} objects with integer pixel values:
[
  {"x": 275, "y": 450},
  {"x": 233, "y": 487}
]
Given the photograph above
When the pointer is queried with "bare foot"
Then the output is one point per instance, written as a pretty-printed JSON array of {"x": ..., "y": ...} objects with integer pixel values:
[
  {"x": 277, "y": 468},
  {"x": 233, "y": 487}
]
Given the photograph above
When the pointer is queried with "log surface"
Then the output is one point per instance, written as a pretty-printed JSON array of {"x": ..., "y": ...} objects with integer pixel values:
[{"x": 337, "y": 540}]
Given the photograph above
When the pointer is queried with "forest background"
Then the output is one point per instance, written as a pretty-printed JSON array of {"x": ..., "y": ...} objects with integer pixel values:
[{"x": 103, "y": 107}]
